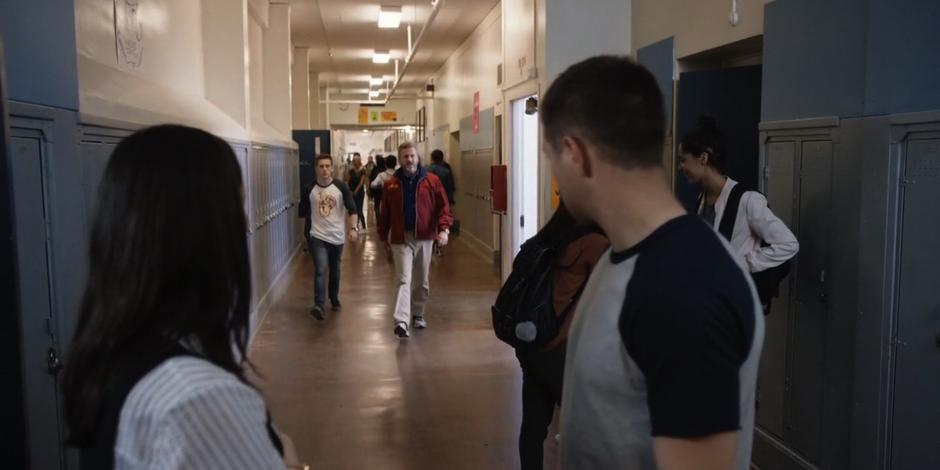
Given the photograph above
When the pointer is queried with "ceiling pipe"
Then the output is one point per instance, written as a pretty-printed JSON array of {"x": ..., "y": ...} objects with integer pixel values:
[
  {"x": 435, "y": 9},
  {"x": 379, "y": 102}
]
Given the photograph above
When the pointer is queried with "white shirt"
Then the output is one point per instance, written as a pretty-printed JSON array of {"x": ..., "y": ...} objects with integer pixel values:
[
  {"x": 329, "y": 207},
  {"x": 189, "y": 413},
  {"x": 755, "y": 223},
  {"x": 381, "y": 178}
]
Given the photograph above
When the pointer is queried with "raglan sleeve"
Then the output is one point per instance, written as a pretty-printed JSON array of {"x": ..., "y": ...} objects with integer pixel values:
[{"x": 690, "y": 351}]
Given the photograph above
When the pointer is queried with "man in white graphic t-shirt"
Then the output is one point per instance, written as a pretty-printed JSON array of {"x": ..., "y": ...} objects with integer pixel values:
[{"x": 332, "y": 213}]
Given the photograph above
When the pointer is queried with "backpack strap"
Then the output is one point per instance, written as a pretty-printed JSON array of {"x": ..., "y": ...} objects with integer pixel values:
[{"x": 726, "y": 227}]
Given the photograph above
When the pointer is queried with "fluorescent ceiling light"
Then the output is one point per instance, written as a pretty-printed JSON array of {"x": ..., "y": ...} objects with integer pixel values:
[
  {"x": 381, "y": 56},
  {"x": 373, "y": 94},
  {"x": 389, "y": 16},
  {"x": 376, "y": 81}
]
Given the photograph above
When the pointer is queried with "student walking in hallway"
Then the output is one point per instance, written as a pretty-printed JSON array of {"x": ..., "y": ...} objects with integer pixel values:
[
  {"x": 333, "y": 219},
  {"x": 356, "y": 180},
  {"x": 415, "y": 213}
]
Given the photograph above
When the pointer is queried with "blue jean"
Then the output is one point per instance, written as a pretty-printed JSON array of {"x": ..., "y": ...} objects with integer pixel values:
[{"x": 325, "y": 256}]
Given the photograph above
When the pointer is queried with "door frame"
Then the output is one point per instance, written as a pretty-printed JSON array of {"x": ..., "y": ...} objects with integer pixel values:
[{"x": 515, "y": 93}]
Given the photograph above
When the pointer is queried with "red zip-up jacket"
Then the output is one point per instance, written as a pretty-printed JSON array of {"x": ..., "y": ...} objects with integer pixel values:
[{"x": 433, "y": 210}]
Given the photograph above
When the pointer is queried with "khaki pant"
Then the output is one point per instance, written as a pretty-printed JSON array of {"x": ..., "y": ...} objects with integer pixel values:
[{"x": 412, "y": 262}]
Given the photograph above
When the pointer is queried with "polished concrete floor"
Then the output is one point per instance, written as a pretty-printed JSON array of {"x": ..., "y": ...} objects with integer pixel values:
[{"x": 354, "y": 396}]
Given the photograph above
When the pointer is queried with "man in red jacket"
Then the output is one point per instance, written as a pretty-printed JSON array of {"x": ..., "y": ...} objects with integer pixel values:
[{"x": 414, "y": 214}]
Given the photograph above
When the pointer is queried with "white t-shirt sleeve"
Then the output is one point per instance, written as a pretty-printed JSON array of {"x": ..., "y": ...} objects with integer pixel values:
[{"x": 782, "y": 244}]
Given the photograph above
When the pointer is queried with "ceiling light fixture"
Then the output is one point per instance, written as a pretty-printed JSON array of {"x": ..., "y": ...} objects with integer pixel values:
[
  {"x": 389, "y": 16},
  {"x": 376, "y": 80},
  {"x": 373, "y": 94},
  {"x": 381, "y": 56}
]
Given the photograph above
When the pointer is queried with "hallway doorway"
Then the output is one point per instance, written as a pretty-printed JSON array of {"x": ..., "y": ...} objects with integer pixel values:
[{"x": 524, "y": 205}]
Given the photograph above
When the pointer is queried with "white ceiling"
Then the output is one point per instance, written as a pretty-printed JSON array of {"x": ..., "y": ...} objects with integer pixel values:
[{"x": 349, "y": 29}]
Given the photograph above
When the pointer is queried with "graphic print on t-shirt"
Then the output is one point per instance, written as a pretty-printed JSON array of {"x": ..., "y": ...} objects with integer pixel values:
[
  {"x": 327, "y": 204},
  {"x": 333, "y": 204}
]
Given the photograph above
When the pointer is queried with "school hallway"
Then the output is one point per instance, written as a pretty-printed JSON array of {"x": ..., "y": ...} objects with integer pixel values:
[{"x": 353, "y": 396}]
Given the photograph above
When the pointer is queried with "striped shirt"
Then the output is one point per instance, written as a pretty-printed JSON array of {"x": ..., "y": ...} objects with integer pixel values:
[{"x": 190, "y": 413}]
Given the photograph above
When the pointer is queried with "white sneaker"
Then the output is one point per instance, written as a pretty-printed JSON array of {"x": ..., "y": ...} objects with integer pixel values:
[{"x": 420, "y": 323}]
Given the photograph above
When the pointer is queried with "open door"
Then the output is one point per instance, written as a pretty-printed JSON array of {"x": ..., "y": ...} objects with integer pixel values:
[
  {"x": 524, "y": 205},
  {"x": 733, "y": 97}
]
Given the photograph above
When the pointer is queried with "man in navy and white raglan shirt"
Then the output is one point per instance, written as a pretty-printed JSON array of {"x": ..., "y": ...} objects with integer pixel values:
[
  {"x": 332, "y": 213},
  {"x": 661, "y": 367}
]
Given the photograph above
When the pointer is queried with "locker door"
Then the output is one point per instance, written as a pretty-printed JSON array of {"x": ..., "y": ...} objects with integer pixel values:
[
  {"x": 806, "y": 382},
  {"x": 37, "y": 323},
  {"x": 781, "y": 160},
  {"x": 917, "y": 374},
  {"x": 94, "y": 161}
]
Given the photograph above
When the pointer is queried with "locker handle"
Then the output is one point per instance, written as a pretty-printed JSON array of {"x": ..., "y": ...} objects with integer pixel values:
[
  {"x": 823, "y": 298},
  {"x": 53, "y": 363}
]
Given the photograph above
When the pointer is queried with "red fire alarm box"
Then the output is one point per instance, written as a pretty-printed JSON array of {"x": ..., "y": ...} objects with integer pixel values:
[{"x": 498, "y": 188}]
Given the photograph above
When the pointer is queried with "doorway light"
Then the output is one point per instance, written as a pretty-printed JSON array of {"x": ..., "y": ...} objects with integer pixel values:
[
  {"x": 389, "y": 16},
  {"x": 381, "y": 56}
]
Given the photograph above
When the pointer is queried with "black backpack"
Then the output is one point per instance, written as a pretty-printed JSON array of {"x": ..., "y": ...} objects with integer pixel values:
[
  {"x": 524, "y": 314},
  {"x": 767, "y": 281}
]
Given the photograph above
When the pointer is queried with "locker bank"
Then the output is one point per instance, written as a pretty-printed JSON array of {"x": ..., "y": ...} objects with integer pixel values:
[{"x": 831, "y": 110}]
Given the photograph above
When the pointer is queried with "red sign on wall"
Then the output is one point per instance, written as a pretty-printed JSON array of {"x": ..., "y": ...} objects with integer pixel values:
[{"x": 476, "y": 112}]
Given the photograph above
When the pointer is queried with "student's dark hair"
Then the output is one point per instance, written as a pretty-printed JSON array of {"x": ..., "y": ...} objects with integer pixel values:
[
  {"x": 707, "y": 138},
  {"x": 391, "y": 162},
  {"x": 168, "y": 263},
  {"x": 562, "y": 228},
  {"x": 437, "y": 155},
  {"x": 323, "y": 156},
  {"x": 612, "y": 103},
  {"x": 380, "y": 162}
]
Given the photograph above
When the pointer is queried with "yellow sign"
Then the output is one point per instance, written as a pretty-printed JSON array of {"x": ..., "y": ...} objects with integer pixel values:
[{"x": 369, "y": 116}]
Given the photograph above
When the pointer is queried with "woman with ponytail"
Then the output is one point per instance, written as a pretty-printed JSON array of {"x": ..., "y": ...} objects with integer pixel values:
[{"x": 760, "y": 241}]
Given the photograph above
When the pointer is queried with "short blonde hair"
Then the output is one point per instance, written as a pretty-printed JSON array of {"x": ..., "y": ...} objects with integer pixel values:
[{"x": 407, "y": 145}]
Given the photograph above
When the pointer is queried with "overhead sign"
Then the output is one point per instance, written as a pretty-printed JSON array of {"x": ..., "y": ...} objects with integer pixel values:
[{"x": 369, "y": 115}]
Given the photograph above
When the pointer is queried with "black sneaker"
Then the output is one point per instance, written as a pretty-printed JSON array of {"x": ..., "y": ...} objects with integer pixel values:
[
  {"x": 401, "y": 329},
  {"x": 419, "y": 322},
  {"x": 317, "y": 312},
  {"x": 337, "y": 307}
]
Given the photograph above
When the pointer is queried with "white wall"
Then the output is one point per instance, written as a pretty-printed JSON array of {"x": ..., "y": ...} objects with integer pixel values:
[
  {"x": 519, "y": 48},
  {"x": 224, "y": 25},
  {"x": 300, "y": 89},
  {"x": 193, "y": 68},
  {"x": 698, "y": 25},
  {"x": 277, "y": 69},
  {"x": 317, "y": 110},
  {"x": 472, "y": 68},
  {"x": 171, "y": 32}
]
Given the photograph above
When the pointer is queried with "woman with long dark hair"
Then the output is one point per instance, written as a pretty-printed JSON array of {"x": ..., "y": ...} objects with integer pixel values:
[
  {"x": 155, "y": 374},
  {"x": 579, "y": 248}
]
